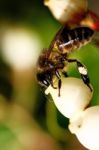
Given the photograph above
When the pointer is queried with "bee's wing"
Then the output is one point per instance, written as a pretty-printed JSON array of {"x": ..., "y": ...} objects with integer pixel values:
[{"x": 51, "y": 46}]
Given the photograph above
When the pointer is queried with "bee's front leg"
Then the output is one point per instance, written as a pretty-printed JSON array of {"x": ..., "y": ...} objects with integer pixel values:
[{"x": 59, "y": 81}]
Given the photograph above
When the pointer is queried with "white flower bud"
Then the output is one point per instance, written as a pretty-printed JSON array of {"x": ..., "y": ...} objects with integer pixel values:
[
  {"x": 74, "y": 96},
  {"x": 20, "y": 47},
  {"x": 67, "y": 11},
  {"x": 86, "y": 127}
]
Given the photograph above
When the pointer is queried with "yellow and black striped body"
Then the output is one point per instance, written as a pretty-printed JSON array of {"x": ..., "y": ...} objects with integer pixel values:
[{"x": 67, "y": 40}]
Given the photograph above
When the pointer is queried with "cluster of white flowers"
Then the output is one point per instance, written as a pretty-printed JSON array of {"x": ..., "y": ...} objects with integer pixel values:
[
  {"x": 75, "y": 95},
  {"x": 73, "y": 103}
]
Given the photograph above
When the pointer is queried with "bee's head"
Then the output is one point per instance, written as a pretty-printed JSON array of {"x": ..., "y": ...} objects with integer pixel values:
[{"x": 43, "y": 79}]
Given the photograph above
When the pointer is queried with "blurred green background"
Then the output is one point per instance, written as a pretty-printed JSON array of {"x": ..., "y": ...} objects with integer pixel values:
[{"x": 28, "y": 121}]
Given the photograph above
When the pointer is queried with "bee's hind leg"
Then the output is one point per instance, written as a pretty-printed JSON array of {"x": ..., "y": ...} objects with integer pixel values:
[
  {"x": 59, "y": 81},
  {"x": 83, "y": 72},
  {"x": 65, "y": 74}
]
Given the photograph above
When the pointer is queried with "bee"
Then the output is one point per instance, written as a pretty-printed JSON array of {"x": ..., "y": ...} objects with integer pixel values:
[{"x": 53, "y": 61}]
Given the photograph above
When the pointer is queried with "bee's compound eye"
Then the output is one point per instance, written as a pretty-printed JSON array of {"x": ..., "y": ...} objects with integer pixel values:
[
  {"x": 40, "y": 77},
  {"x": 42, "y": 80}
]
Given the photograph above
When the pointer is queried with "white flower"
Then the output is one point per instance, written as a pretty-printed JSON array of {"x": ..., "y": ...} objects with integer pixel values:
[
  {"x": 20, "y": 48},
  {"x": 74, "y": 96},
  {"x": 86, "y": 127},
  {"x": 67, "y": 11}
]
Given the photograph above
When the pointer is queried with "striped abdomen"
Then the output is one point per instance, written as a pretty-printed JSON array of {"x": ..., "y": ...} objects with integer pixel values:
[{"x": 69, "y": 40}]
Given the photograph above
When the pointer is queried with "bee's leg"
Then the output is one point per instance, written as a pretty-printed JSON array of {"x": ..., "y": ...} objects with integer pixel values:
[
  {"x": 83, "y": 71},
  {"x": 59, "y": 81},
  {"x": 50, "y": 81},
  {"x": 64, "y": 73}
]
